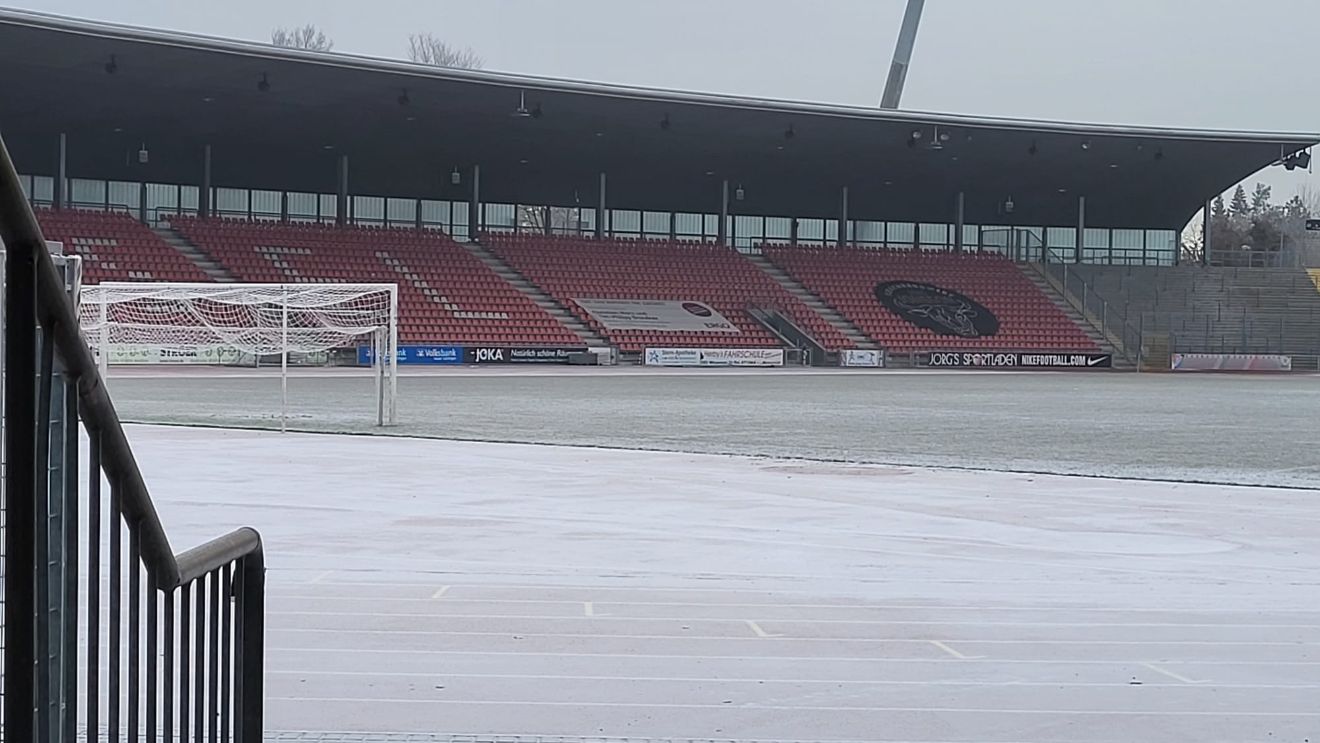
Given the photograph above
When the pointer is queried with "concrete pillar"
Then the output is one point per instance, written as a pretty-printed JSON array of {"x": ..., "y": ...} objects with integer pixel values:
[
  {"x": 341, "y": 193},
  {"x": 722, "y": 229},
  {"x": 59, "y": 196},
  {"x": 142, "y": 202},
  {"x": 284, "y": 207},
  {"x": 600, "y": 209},
  {"x": 843, "y": 219},
  {"x": 959, "y": 220},
  {"x": 204, "y": 198},
  {"x": 474, "y": 207},
  {"x": 1081, "y": 229}
]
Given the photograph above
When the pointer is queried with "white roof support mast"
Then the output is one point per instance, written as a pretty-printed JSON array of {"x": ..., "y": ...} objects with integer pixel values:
[{"x": 907, "y": 38}]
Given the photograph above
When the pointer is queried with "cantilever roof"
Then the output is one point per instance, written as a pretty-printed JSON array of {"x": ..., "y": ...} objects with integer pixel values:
[{"x": 175, "y": 92}]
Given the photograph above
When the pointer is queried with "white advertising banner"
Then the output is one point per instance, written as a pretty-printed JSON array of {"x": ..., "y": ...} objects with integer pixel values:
[
  {"x": 162, "y": 356},
  {"x": 714, "y": 357},
  {"x": 1230, "y": 362},
  {"x": 861, "y": 357},
  {"x": 657, "y": 314}
]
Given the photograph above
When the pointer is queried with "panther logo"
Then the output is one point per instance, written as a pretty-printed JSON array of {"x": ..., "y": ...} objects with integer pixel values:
[{"x": 939, "y": 310}]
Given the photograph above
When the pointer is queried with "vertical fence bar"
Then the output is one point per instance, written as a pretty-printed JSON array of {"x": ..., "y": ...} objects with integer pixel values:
[
  {"x": 167, "y": 667},
  {"x": 71, "y": 559},
  {"x": 134, "y": 699},
  {"x": 41, "y": 532},
  {"x": 150, "y": 697},
  {"x": 199, "y": 661},
  {"x": 113, "y": 696},
  {"x": 240, "y": 687},
  {"x": 93, "y": 583},
  {"x": 185, "y": 657},
  {"x": 253, "y": 648},
  {"x": 213, "y": 672},
  {"x": 20, "y": 415},
  {"x": 226, "y": 649}
]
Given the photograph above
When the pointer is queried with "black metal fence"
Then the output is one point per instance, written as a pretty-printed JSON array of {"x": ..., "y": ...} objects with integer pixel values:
[{"x": 172, "y": 644}]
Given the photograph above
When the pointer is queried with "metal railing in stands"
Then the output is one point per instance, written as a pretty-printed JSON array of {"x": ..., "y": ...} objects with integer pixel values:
[
  {"x": 184, "y": 634},
  {"x": 1127, "y": 338}
]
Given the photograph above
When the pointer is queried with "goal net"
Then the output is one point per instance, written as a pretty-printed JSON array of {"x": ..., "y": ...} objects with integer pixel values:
[{"x": 124, "y": 322}]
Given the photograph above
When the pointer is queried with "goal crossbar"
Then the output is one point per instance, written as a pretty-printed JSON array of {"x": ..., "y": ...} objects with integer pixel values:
[{"x": 255, "y": 319}]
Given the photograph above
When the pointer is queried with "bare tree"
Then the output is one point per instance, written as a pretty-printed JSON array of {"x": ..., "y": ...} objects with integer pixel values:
[
  {"x": 302, "y": 37},
  {"x": 427, "y": 49}
]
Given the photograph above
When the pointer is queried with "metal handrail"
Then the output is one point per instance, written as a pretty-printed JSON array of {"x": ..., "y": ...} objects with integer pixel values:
[
  {"x": 1109, "y": 318},
  {"x": 19, "y": 231},
  {"x": 239, "y": 552}
]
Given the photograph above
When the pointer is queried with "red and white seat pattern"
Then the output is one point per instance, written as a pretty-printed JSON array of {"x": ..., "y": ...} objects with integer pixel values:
[
  {"x": 446, "y": 295},
  {"x": 571, "y": 268},
  {"x": 116, "y": 247},
  {"x": 845, "y": 278}
]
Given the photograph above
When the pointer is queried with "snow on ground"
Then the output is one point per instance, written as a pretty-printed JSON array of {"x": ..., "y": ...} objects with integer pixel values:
[{"x": 427, "y": 586}]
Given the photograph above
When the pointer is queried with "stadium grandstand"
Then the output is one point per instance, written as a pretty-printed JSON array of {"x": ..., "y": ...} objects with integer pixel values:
[{"x": 503, "y": 205}]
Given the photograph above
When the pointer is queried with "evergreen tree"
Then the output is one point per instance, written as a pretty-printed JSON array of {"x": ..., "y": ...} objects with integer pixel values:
[
  {"x": 1239, "y": 207},
  {"x": 1217, "y": 209},
  {"x": 1260, "y": 199}
]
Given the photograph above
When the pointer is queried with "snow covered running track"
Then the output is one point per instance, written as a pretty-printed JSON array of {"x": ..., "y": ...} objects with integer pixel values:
[{"x": 437, "y": 588}]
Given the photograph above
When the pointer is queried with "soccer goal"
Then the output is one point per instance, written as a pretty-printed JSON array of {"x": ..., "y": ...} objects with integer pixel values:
[{"x": 141, "y": 322}]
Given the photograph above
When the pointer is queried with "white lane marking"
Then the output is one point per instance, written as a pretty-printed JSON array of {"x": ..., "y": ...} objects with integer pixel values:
[
  {"x": 905, "y": 640},
  {"x": 440, "y": 593},
  {"x": 800, "y": 659},
  {"x": 738, "y": 576},
  {"x": 1171, "y": 674},
  {"x": 867, "y": 622},
  {"x": 751, "y": 680},
  {"x": 742, "y": 605},
  {"x": 756, "y": 628},
  {"x": 953, "y": 652},
  {"x": 820, "y": 708}
]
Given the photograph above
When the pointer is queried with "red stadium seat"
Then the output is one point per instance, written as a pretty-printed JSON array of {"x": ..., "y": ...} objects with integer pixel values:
[
  {"x": 570, "y": 268},
  {"x": 116, "y": 247},
  {"x": 446, "y": 295},
  {"x": 845, "y": 278}
]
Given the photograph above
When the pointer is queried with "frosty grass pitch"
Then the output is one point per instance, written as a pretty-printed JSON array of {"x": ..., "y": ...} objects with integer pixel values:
[{"x": 442, "y": 587}]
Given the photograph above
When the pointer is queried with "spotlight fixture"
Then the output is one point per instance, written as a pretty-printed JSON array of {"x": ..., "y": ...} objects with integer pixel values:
[
  {"x": 403, "y": 98},
  {"x": 738, "y": 193},
  {"x": 455, "y": 177},
  {"x": 1086, "y": 144},
  {"x": 1008, "y": 205},
  {"x": 1033, "y": 149},
  {"x": 789, "y": 133},
  {"x": 112, "y": 66},
  {"x": 143, "y": 155},
  {"x": 1298, "y": 160},
  {"x": 916, "y": 134},
  {"x": 264, "y": 83},
  {"x": 664, "y": 123}
]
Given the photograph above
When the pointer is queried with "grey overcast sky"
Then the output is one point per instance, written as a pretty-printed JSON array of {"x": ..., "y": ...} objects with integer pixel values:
[{"x": 1235, "y": 64}]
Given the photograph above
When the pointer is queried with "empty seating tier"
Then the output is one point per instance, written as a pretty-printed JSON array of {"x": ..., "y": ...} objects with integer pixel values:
[
  {"x": 116, "y": 247},
  {"x": 846, "y": 278},
  {"x": 572, "y": 268},
  {"x": 446, "y": 295}
]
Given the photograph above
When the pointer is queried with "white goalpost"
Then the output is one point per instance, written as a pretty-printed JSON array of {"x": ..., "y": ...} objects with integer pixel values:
[{"x": 217, "y": 323}]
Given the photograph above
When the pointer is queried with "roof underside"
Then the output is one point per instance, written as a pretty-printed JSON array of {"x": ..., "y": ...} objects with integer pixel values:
[{"x": 176, "y": 93}]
